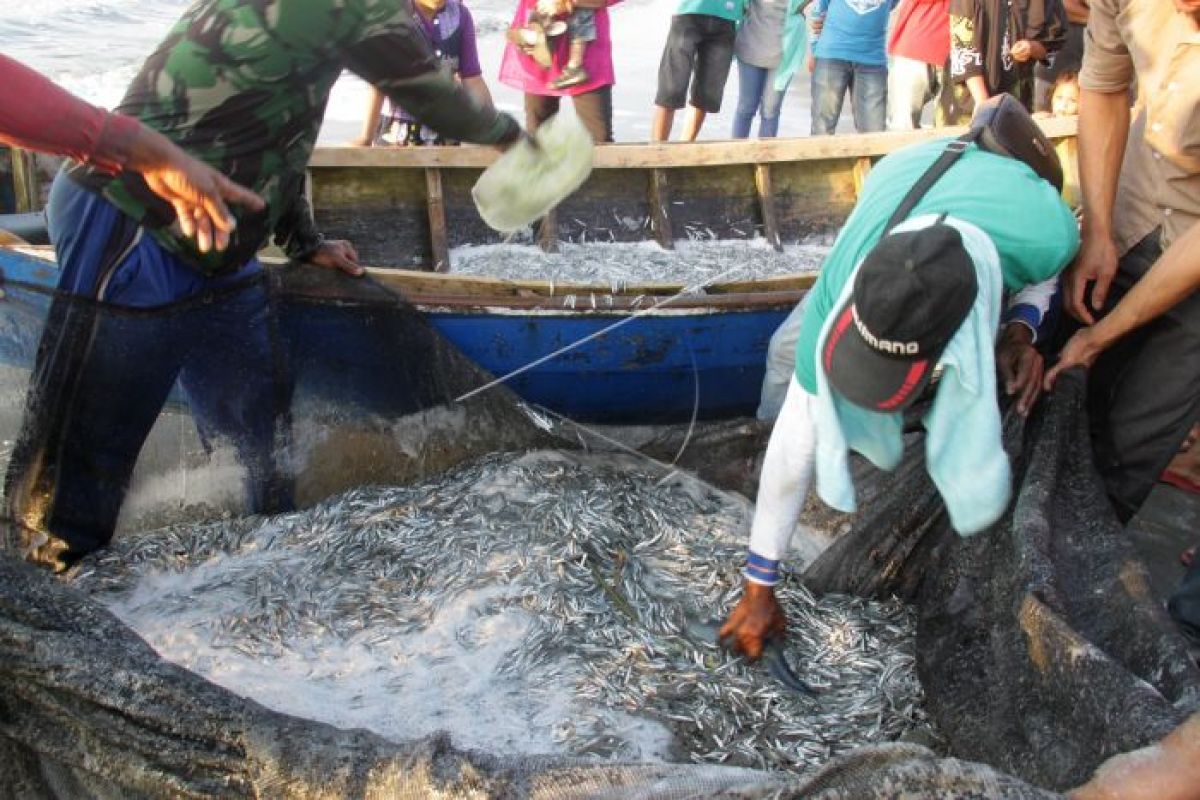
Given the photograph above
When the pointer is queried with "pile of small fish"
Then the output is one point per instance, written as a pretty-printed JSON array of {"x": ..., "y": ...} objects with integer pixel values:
[
  {"x": 693, "y": 263},
  {"x": 616, "y": 567}
]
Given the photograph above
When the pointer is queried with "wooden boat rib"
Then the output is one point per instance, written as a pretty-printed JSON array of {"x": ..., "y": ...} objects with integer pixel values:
[{"x": 408, "y": 207}]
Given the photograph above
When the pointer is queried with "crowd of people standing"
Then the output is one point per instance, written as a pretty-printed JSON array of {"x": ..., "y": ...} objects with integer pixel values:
[{"x": 900, "y": 63}]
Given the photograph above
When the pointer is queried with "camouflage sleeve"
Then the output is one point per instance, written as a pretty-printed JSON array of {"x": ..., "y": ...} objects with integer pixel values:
[
  {"x": 401, "y": 66},
  {"x": 296, "y": 232},
  {"x": 966, "y": 51}
]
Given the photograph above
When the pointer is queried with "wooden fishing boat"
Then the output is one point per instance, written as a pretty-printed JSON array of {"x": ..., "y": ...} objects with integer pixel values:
[{"x": 642, "y": 353}]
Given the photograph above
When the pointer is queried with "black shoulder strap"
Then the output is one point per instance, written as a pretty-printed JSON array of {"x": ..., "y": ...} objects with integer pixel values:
[{"x": 936, "y": 170}]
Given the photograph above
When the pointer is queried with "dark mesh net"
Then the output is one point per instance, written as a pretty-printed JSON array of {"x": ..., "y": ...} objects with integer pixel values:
[
  {"x": 278, "y": 390},
  {"x": 1040, "y": 644},
  {"x": 88, "y": 709}
]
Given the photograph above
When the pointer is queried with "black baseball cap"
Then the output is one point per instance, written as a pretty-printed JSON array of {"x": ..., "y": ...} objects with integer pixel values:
[{"x": 911, "y": 294}]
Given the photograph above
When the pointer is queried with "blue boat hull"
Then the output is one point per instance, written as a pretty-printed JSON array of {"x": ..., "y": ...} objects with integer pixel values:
[
  {"x": 653, "y": 369},
  {"x": 669, "y": 365}
]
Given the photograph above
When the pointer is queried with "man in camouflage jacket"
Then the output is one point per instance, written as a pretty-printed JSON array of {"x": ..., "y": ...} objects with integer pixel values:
[{"x": 242, "y": 85}]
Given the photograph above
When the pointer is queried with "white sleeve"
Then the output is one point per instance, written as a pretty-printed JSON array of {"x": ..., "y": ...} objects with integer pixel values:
[
  {"x": 1029, "y": 306},
  {"x": 786, "y": 475}
]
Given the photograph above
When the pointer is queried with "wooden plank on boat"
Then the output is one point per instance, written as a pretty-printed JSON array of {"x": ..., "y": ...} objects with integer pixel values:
[
  {"x": 1068, "y": 154},
  {"x": 766, "y": 200},
  {"x": 660, "y": 209},
  {"x": 27, "y": 190},
  {"x": 439, "y": 244},
  {"x": 862, "y": 168},
  {"x": 377, "y": 197},
  {"x": 603, "y": 303},
  {"x": 548, "y": 232},
  {"x": 671, "y": 154},
  {"x": 778, "y": 283},
  {"x": 414, "y": 282}
]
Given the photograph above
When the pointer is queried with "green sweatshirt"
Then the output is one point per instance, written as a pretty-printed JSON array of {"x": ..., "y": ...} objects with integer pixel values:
[{"x": 1033, "y": 229}]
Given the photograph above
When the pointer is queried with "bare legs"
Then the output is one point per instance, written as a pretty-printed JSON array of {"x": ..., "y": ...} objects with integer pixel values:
[{"x": 664, "y": 118}]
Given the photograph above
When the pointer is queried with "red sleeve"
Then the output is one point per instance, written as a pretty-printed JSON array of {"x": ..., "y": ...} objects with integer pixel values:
[{"x": 37, "y": 114}]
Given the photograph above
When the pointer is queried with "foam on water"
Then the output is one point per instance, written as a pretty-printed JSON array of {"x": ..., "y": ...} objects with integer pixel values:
[
  {"x": 440, "y": 678},
  {"x": 527, "y": 604}
]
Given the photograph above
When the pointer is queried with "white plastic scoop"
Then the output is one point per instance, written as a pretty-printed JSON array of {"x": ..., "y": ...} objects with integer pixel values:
[{"x": 527, "y": 181}]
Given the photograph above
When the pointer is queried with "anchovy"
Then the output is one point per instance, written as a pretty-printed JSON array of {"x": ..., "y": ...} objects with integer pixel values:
[
  {"x": 773, "y": 656},
  {"x": 622, "y": 264},
  {"x": 551, "y": 592},
  {"x": 778, "y": 666}
]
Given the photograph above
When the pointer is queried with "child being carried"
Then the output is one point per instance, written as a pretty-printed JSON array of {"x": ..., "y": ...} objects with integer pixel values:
[{"x": 549, "y": 20}]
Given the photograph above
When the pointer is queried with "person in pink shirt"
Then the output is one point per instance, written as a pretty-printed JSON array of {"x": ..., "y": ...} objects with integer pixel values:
[
  {"x": 592, "y": 98},
  {"x": 918, "y": 47}
]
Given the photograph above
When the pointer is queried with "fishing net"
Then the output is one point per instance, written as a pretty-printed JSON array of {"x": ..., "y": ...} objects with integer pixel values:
[
  {"x": 89, "y": 709},
  {"x": 291, "y": 386},
  {"x": 1042, "y": 648}
]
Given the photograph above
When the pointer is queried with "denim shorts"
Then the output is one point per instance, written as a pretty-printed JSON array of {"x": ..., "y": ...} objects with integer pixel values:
[
  {"x": 581, "y": 24},
  {"x": 700, "y": 45}
]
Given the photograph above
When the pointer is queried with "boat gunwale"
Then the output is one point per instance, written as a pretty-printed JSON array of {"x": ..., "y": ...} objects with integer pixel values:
[
  {"x": 436, "y": 289},
  {"x": 668, "y": 155},
  {"x": 582, "y": 305}
]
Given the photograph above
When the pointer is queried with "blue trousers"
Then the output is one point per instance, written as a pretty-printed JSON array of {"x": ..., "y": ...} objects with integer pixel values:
[
  {"x": 128, "y": 321},
  {"x": 756, "y": 95},
  {"x": 867, "y": 85}
]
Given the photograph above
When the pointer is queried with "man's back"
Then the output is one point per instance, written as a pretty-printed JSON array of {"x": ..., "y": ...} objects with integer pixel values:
[
  {"x": 243, "y": 84},
  {"x": 1034, "y": 231}
]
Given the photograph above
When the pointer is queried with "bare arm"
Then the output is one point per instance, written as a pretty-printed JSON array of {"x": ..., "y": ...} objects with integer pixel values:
[
  {"x": 38, "y": 114},
  {"x": 1103, "y": 132},
  {"x": 1077, "y": 11},
  {"x": 371, "y": 120},
  {"x": 978, "y": 88},
  {"x": 1169, "y": 770},
  {"x": 1174, "y": 277},
  {"x": 477, "y": 88}
]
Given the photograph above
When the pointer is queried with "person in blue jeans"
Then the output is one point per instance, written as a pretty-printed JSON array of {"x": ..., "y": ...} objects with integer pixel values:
[
  {"x": 849, "y": 53},
  {"x": 769, "y": 48}
]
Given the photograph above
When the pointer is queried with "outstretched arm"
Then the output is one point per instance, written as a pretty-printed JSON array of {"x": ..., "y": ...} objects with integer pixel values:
[
  {"x": 371, "y": 120},
  {"x": 1103, "y": 132},
  {"x": 37, "y": 114},
  {"x": 296, "y": 232},
  {"x": 786, "y": 474},
  {"x": 1175, "y": 276},
  {"x": 406, "y": 70}
]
